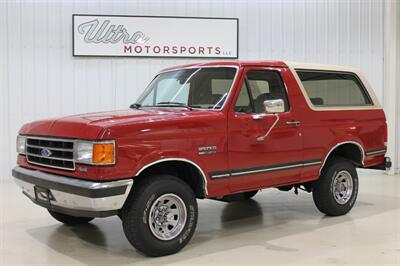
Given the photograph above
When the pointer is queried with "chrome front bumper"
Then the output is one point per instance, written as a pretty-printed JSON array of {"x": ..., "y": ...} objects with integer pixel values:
[{"x": 73, "y": 196}]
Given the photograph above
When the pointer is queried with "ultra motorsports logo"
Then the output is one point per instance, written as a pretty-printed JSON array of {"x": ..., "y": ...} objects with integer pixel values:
[
  {"x": 107, "y": 33},
  {"x": 137, "y": 42}
]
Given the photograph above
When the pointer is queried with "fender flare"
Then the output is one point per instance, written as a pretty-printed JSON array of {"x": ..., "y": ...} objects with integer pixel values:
[
  {"x": 205, "y": 184},
  {"x": 342, "y": 143}
]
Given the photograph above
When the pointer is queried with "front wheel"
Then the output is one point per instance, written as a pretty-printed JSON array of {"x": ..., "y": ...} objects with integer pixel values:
[
  {"x": 161, "y": 215},
  {"x": 335, "y": 192}
]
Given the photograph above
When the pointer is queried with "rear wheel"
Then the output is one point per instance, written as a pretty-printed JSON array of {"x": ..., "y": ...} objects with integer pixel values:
[
  {"x": 161, "y": 215},
  {"x": 69, "y": 219},
  {"x": 335, "y": 192},
  {"x": 239, "y": 196}
]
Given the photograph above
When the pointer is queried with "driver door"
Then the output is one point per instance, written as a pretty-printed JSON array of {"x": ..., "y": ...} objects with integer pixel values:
[{"x": 255, "y": 162}]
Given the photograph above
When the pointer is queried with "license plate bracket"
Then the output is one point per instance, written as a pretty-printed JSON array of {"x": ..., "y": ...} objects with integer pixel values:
[{"x": 43, "y": 195}]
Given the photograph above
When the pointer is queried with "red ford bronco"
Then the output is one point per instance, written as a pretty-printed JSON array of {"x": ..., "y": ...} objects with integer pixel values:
[{"x": 220, "y": 131}]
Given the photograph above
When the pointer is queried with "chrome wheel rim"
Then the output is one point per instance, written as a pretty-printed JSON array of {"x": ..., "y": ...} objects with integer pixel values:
[
  {"x": 342, "y": 187},
  {"x": 167, "y": 216}
]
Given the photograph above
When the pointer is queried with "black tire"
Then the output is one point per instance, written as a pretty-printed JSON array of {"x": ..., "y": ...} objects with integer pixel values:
[
  {"x": 136, "y": 213},
  {"x": 68, "y": 219},
  {"x": 239, "y": 196},
  {"x": 336, "y": 168}
]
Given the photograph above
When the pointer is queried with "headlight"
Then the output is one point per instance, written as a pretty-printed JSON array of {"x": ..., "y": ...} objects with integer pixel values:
[
  {"x": 21, "y": 144},
  {"x": 89, "y": 152}
]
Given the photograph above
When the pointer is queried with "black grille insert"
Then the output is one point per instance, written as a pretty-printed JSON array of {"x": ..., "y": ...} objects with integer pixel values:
[{"x": 53, "y": 153}]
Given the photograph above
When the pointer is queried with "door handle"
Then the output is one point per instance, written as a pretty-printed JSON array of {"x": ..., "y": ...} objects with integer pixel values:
[
  {"x": 293, "y": 123},
  {"x": 258, "y": 117}
]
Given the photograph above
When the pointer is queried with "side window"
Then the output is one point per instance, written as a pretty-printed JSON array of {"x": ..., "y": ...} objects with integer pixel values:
[
  {"x": 243, "y": 104},
  {"x": 333, "y": 88},
  {"x": 266, "y": 85},
  {"x": 260, "y": 85}
]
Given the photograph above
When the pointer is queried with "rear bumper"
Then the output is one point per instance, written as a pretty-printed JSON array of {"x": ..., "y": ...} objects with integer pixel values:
[{"x": 73, "y": 196}]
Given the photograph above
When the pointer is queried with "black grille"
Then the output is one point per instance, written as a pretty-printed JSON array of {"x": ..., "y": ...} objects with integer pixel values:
[
  {"x": 51, "y": 143},
  {"x": 54, "y": 153}
]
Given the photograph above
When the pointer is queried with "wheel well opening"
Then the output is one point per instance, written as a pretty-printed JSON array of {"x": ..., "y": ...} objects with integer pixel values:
[
  {"x": 349, "y": 151},
  {"x": 183, "y": 170}
]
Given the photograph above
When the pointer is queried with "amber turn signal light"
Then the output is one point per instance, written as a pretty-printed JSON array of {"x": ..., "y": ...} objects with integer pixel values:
[{"x": 103, "y": 153}]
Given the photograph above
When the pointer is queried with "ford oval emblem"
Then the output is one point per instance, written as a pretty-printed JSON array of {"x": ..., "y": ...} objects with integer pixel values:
[{"x": 45, "y": 152}]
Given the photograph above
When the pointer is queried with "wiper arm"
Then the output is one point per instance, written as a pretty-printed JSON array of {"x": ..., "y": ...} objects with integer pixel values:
[
  {"x": 176, "y": 104},
  {"x": 135, "y": 106}
]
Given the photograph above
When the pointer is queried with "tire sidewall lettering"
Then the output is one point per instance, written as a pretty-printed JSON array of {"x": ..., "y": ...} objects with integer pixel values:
[
  {"x": 355, "y": 191},
  {"x": 189, "y": 224},
  {"x": 332, "y": 179},
  {"x": 146, "y": 209}
]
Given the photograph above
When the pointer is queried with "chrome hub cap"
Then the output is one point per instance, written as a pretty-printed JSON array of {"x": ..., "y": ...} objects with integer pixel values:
[
  {"x": 342, "y": 187},
  {"x": 167, "y": 217}
]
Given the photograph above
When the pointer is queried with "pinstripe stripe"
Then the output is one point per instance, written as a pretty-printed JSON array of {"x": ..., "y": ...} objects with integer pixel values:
[{"x": 263, "y": 169}]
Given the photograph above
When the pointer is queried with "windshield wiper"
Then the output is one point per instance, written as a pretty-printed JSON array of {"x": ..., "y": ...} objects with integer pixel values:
[
  {"x": 178, "y": 104},
  {"x": 135, "y": 106}
]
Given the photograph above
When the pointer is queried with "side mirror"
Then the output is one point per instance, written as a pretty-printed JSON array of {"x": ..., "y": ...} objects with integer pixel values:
[{"x": 274, "y": 106}]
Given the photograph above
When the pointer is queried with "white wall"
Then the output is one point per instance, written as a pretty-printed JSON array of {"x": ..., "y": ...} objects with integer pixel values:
[
  {"x": 39, "y": 77},
  {"x": 391, "y": 96}
]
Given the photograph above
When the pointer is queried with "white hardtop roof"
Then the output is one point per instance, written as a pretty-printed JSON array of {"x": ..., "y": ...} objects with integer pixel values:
[
  {"x": 298, "y": 65},
  {"x": 295, "y": 65}
]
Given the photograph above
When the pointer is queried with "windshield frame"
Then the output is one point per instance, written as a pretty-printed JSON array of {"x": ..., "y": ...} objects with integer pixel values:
[{"x": 142, "y": 95}]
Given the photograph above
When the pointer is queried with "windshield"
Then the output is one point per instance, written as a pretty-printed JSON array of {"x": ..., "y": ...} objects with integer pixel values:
[{"x": 205, "y": 88}]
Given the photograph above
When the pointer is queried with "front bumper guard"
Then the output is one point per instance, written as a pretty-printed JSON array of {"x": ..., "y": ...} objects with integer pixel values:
[{"x": 73, "y": 196}]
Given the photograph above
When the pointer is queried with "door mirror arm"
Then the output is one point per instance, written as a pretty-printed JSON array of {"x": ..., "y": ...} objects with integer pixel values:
[
  {"x": 275, "y": 107},
  {"x": 263, "y": 137}
]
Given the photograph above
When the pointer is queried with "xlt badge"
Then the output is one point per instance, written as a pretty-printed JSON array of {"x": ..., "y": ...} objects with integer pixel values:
[{"x": 207, "y": 150}]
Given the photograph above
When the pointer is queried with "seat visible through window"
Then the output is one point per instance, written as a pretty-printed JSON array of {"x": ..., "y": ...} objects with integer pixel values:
[{"x": 260, "y": 85}]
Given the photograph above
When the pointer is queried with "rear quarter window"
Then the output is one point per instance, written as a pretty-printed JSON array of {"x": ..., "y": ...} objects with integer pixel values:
[{"x": 331, "y": 89}]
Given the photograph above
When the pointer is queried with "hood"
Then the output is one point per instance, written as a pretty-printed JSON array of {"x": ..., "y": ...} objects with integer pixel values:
[{"x": 91, "y": 125}]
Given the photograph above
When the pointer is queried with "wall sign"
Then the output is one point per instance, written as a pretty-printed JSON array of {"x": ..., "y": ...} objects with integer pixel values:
[{"x": 141, "y": 36}]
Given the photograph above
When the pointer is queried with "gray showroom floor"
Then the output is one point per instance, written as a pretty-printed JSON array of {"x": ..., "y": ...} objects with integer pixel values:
[{"x": 274, "y": 228}]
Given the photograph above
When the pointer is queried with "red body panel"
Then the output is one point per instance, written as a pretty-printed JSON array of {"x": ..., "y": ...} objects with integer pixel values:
[
  {"x": 151, "y": 134},
  {"x": 245, "y": 151}
]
